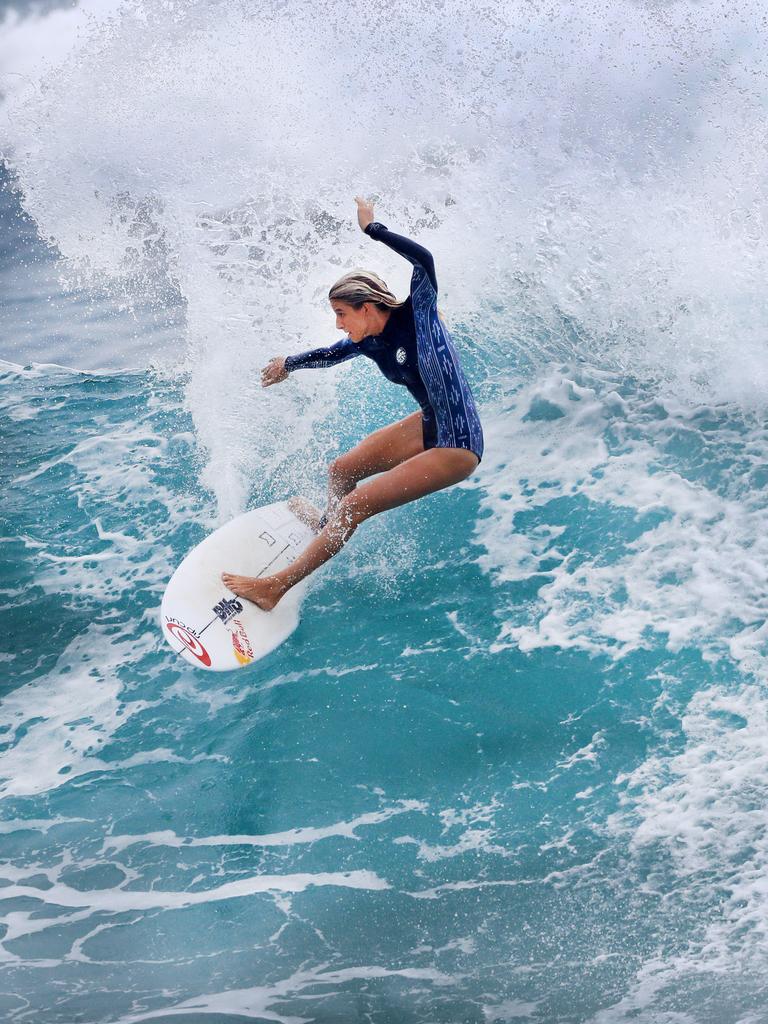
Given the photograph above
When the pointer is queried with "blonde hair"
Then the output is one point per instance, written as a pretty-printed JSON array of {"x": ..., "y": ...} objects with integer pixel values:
[{"x": 361, "y": 286}]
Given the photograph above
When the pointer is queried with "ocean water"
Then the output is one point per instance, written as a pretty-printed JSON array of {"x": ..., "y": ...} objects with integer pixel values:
[{"x": 512, "y": 764}]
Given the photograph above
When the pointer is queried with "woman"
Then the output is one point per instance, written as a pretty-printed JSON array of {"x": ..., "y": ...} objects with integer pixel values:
[{"x": 425, "y": 452}]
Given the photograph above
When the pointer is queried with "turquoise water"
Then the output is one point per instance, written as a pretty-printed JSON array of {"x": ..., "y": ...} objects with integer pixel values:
[
  {"x": 422, "y": 806},
  {"x": 511, "y": 765}
]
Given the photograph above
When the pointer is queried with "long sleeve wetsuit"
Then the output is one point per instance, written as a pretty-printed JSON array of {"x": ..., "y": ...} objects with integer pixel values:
[{"x": 415, "y": 349}]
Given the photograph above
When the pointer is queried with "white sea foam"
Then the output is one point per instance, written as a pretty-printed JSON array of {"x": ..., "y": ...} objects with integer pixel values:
[
  {"x": 119, "y": 900},
  {"x": 702, "y": 813},
  {"x": 696, "y": 574},
  {"x": 33, "y": 371},
  {"x": 258, "y": 1002},
  {"x": 586, "y": 182},
  {"x": 113, "y": 470},
  {"x": 47, "y": 885},
  {"x": 305, "y": 834},
  {"x": 35, "y": 824},
  {"x": 510, "y": 1009},
  {"x": 49, "y": 902},
  {"x": 61, "y": 721}
]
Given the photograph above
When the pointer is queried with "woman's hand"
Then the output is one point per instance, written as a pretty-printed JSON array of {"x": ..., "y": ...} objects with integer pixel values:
[
  {"x": 364, "y": 212},
  {"x": 274, "y": 372}
]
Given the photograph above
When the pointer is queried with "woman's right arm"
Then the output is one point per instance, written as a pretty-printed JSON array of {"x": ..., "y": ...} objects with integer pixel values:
[{"x": 278, "y": 369}]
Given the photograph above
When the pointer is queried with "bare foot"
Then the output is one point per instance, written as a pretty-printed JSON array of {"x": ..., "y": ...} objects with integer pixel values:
[
  {"x": 306, "y": 512},
  {"x": 264, "y": 592}
]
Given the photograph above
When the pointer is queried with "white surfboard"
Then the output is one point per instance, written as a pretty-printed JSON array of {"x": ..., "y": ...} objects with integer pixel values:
[{"x": 208, "y": 625}]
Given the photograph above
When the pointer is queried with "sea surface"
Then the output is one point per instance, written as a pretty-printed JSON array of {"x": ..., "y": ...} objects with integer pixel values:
[{"x": 512, "y": 766}]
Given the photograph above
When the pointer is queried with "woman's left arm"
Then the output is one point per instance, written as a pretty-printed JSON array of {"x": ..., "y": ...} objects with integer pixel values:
[{"x": 412, "y": 251}]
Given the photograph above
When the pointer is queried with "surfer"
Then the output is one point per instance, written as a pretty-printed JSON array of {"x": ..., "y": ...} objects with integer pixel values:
[{"x": 425, "y": 452}]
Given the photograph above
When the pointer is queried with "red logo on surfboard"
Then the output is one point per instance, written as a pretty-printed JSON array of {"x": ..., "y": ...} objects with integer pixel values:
[{"x": 187, "y": 637}]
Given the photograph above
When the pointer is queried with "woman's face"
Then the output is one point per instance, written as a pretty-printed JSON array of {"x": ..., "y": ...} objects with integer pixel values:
[{"x": 355, "y": 322}]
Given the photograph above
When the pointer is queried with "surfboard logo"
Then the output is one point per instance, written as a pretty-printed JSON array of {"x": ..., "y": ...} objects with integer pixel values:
[
  {"x": 241, "y": 643},
  {"x": 188, "y": 637},
  {"x": 400, "y": 356},
  {"x": 227, "y": 608}
]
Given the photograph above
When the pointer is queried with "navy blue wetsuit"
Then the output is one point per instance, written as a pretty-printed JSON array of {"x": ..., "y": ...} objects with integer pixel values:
[{"x": 415, "y": 349}]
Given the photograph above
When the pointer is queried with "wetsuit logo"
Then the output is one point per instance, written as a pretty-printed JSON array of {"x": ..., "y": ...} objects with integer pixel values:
[
  {"x": 400, "y": 356},
  {"x": 227, "y": 608}
]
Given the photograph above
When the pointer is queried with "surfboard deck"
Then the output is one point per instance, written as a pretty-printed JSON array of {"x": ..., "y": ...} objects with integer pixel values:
[{"x": 208, "y": 625}]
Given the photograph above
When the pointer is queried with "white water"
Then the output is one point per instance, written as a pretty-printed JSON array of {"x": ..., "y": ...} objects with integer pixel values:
[{"x": 589, "y": 181}]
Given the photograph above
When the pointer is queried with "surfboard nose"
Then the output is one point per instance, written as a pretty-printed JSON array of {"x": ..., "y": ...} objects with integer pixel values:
[{"x": 215, "y": 629}]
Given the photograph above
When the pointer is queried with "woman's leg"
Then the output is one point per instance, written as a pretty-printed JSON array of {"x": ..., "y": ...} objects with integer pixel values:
[
  {"x": 377, "y": 453},
  {"x": 422, "y": 474}
]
